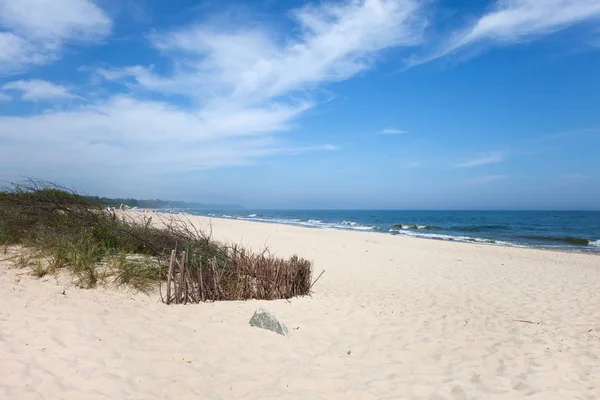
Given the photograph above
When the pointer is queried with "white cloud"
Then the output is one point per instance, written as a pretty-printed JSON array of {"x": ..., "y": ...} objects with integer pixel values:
[
  {"x": 248, "y": 65},
  {"x": 485, "y": 179},
  {"x": 35, "y": 89},
  {"x": 414, "y": 164},
  {"x": 131, "y": 120},
  {"x": 16, "y": 52},
  {"x": 79, "y": 20},
  {"x": 35, "y": 31},
  {"x": 513, "y": 21},
  {"x": 482, "y": 159},
  {"x": 244, "y": 86},
  {"x": 143, "y": 138},
  {"x": 392, "y": 131}
]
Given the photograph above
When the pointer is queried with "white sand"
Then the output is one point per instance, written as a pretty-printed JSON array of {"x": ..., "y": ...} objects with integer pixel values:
[{"x": 391, "y": 318}]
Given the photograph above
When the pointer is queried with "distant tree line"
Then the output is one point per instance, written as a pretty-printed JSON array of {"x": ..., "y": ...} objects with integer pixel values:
[{"x": 117, "y": 202}]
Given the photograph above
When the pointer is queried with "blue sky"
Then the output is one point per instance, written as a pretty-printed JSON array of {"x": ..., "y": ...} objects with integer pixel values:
[{"x": 394, "y": 104}]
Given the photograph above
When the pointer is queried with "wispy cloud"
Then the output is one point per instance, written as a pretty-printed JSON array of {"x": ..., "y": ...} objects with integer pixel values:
[
  {"x": 485, "y": 179},
  {"x": 392, "y": 131},
  {"x": 5, "y": 97},
  {"x": 482, "y": 159},
  {"x": 514, "y": 21},
  {"x": 39, "y": 90},
  {"x": 245, "y": 64},
  {"x": 244, "y": 84},
  {"x": 143, "y": 138},
  {"x": 36, "y": 31},
  {"x": 570, "y": 133},
  {"x": 414, "y": 164}
]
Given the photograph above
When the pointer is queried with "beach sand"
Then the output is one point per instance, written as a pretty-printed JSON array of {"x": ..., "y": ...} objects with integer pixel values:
[{"x": 391, "y": 318}]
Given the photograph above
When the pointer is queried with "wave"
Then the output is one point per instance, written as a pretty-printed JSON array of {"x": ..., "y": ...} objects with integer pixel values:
[
  {"x": 474, "y": 228},
  {"x": 451, "y": 238},
  {"x": 363, "y": 228},
  {"x": 479, "y": 228},
  {"x": 595, "y": 243},
  {"x": 310, "y": 223},
  {"x": 271, "y": 220},
  {"x": 415, "y": 226},
  {"x": 577, "y": 241},
  {"x": 339, "y": 225}
]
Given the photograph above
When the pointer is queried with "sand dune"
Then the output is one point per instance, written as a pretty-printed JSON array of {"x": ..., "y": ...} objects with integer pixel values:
[{"x": 391, "y": 318}]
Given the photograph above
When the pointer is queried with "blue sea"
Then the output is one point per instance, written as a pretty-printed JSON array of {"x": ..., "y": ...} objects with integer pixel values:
[{"x": 559, "y": 230}]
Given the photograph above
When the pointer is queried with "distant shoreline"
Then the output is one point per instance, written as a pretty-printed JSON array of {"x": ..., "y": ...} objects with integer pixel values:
[{"x": 382, "y": 233}]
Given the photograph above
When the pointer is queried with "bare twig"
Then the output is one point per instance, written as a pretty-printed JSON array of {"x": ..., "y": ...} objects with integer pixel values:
[
  {"x": 527, "y": 322},
  {"x": 310, "y": 287},
  {"x": 170, "y": 276}
]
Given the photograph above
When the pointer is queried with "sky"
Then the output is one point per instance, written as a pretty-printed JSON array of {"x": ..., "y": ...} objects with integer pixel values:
[{"x": 333, "y": 104}]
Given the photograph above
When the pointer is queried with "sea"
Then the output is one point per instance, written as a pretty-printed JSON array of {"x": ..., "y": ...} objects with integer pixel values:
[{"x": 559, "y": 230}]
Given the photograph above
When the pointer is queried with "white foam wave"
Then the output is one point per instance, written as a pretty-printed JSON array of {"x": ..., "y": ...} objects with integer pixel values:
[
  {"x": 362, "y": 228},
  {"x": 407, "y": 226},
  {"x": 415, "y": 226},
  {"x": 311, "y": 223},
  {"x": 272, "y": 220},
  {"x": 595, "y": 243},
  {"x": 438, "y": 236},
  {"x": 333, "y": 225}
]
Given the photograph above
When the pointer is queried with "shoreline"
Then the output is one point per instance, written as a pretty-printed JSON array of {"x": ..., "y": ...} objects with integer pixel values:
[{"x": 387, "y": 234}]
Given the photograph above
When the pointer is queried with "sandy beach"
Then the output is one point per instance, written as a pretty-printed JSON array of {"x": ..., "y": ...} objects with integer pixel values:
[{"x": 391, "y": 318}]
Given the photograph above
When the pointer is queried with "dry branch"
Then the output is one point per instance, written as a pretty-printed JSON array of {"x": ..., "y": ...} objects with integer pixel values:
[{"x": 241, "y": 275}]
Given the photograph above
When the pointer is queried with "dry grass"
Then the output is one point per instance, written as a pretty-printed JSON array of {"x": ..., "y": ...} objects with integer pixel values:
[{"x": 64, "y": 230}]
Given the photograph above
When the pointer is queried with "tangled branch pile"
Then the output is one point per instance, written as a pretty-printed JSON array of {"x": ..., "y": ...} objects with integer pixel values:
[
  {"x": 67, "y": 231},
  {"x": 241, "y": 275}
]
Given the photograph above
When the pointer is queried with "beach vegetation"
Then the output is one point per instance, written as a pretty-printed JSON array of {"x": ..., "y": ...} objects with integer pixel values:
[{"x": 61, "y": 230}]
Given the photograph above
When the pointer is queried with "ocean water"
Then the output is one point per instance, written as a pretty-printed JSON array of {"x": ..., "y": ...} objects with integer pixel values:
[{"x": 561, "y": 230}]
